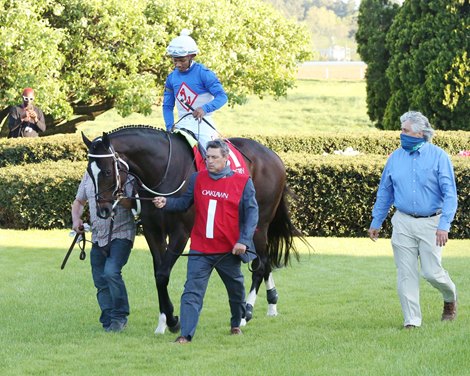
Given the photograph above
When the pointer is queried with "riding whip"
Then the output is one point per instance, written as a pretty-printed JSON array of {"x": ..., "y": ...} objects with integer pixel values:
[{"x": 192, "y": 109}]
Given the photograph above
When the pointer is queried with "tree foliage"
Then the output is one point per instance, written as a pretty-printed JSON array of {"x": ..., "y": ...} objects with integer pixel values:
[
  {"x": 423, "y": 64},
  {"x": 85, "y": 57},
  {"x": 429, "y": 66},
  {"x": 374, "y": 20}
]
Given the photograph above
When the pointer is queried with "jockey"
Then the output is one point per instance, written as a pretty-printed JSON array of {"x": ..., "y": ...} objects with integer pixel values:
[{"x": 194, "y": 84}]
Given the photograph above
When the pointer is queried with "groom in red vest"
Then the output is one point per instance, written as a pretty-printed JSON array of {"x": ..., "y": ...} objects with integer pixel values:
[{"x": 226, "y": 215}]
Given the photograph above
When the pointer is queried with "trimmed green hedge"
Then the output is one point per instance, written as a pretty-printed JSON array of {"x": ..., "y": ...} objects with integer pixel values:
[
  {"x": 19, "y": 151},
  {"x": 380, "y": 143},
  {"x": 71, "y": 147},
  {"x": 335, "y": 194},
  {"x": 39, "y": 196}
]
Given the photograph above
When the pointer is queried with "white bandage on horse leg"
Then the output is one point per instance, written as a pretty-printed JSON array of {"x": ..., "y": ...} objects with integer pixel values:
[{"x": 161, "y": 324}]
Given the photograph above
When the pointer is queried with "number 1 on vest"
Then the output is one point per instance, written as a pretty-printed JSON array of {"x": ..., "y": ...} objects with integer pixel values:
[{"x": 210, "y": 219}]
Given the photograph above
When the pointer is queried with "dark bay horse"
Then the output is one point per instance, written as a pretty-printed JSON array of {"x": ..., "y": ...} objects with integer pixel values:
[{"x": 162, "y": 162}]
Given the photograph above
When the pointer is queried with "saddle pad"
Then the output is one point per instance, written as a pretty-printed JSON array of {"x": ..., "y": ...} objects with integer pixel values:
[{"x": 236, "y": 160}]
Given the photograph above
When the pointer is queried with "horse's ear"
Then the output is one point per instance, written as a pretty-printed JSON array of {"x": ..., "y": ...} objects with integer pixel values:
[
  {"x": 105, "y": 140},
  {"x": 86, "y": 140}
]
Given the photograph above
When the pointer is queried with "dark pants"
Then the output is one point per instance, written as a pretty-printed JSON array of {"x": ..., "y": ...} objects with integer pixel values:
[
  {"x": 106, "y": 272},
  {"x": 199, "y": 271}
]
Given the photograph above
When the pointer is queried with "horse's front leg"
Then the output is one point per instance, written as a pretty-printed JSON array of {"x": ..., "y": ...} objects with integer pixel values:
[
  {"x": 156, "y": 241},
  {"x": 177, "y": 242},
  {"x": 167, "y": 319}
]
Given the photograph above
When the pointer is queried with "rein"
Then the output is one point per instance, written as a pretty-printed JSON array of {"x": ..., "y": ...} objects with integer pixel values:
[
  {"x": 223, "y": 255},
  {"x": 76, "y": 240}
]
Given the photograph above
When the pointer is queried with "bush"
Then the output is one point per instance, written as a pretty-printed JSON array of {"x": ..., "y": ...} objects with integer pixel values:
[
  {"x": 335, "y": 194},
  {"x": 39, "y": 196},
  {"x": 72, "y": 148},
  {"x": 18, "y": 151}
]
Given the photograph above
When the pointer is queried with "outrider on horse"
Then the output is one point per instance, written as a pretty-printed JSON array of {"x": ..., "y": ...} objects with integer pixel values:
[{"x": 162, "y": 162}]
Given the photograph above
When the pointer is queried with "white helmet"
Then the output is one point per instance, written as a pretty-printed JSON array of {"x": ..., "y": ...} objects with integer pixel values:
[{"x": 183, "y": 45}]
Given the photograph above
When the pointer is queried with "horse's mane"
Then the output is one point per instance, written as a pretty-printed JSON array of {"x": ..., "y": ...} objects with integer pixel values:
[{"x": 136, "y": 126}]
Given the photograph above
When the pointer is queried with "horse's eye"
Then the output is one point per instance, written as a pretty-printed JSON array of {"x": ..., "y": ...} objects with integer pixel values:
[{"x": 107, "y": 173}]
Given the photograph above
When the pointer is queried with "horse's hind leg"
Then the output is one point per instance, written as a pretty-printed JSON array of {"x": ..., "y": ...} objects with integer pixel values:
[
  {"x": 256, "y": 279},
  {"x": 271, "y": 293}
]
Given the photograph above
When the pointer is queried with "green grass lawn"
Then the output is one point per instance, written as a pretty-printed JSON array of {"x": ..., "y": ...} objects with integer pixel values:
[
  {"x": 312, "y": 106},
  {"x": 338, "y": 315}
]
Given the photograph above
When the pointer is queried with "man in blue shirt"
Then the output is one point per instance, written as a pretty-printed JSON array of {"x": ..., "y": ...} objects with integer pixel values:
[
  {"x": 418, "y": 180},
  {"x": 191, "y": 85}
]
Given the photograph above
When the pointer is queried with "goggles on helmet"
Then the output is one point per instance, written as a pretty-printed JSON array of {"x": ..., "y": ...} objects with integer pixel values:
[{"x": 183, "y": 45}]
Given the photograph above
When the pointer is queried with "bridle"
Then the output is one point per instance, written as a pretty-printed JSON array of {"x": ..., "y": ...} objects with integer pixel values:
[
  {"x": 122, "y": 167},
  {"x": 118, "y": 192}
]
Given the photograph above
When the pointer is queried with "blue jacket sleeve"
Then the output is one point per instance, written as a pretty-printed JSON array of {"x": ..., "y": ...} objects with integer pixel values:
[
  {"x": 168, "y": 104},
  {"x": 214, "y": 87},
  {"x": 248, "y": 215},
  {"x": 184, "y": 202}
]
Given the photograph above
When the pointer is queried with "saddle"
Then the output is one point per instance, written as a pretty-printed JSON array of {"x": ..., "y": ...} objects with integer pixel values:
[{"x": 235, "y": 159}]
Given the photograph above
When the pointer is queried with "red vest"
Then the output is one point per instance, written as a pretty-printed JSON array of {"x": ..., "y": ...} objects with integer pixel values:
[{"x": 216, "y": 228}]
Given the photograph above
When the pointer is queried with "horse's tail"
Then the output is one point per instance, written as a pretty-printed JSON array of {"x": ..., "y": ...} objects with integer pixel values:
[{"x": 281, "y": 233}]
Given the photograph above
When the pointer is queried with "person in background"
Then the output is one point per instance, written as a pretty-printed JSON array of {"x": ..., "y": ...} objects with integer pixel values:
[
  {"x": 108, "y": 254},
  {"x": 194, "y": 84},
  {"x": 26, "y": 119},
  {"x": 226, "y": 216},
  {"x": 418, "y": 179}
]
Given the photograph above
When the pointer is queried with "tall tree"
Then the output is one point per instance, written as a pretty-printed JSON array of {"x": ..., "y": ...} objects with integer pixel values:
[
  {"x": 85, "y": 57},
  {"x": 374, "y": 21},
  {"x": 429, "y": 66}
]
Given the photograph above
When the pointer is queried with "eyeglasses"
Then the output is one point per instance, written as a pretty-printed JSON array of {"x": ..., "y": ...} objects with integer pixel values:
[{"x": 28, "y": 99}]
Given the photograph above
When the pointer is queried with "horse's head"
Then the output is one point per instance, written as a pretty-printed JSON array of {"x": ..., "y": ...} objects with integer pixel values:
[{"x": 108, "y": 173}]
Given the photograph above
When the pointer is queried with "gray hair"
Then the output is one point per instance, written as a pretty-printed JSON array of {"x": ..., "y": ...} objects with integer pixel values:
[
  {"x": 219, "y": 144},
  {"x": 419, "y": 123}
]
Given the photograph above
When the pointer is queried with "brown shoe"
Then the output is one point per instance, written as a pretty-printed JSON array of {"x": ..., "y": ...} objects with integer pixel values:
[
  {"x": 450, "y": 311},
  {"x": 182, "y": 339},
  {"x": 236, "y": 331},
  {"x": 409, "y": 326}
]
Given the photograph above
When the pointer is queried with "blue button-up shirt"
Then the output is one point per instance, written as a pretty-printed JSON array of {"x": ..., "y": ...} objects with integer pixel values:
[{"x": 419, "y": 183}]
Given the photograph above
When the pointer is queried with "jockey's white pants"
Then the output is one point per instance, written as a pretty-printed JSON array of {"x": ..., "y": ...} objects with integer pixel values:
[
  {"x": 203, "y": 132},
  {"x": 413, "y": 239}
]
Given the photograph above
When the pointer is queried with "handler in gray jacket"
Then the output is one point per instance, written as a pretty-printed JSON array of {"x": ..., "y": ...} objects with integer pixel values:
[{"x": 226, "y": 216}]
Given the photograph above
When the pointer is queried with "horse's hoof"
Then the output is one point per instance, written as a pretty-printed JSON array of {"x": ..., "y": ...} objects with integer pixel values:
[
  {"x": 175, "y": 328},
  {"x": 248, "y": 312}
]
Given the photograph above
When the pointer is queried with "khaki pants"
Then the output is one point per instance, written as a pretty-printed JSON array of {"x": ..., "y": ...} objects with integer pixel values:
[{"x": 414, "y": 238}]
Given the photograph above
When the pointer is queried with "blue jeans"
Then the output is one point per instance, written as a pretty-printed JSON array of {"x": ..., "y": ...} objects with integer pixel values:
[
  {"x": 106, "y": 272},
  {"x": 198, "y": 273}
]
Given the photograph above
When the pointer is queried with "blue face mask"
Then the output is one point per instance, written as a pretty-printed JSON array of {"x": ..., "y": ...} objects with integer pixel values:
[{"x": 411, "y": 144}]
